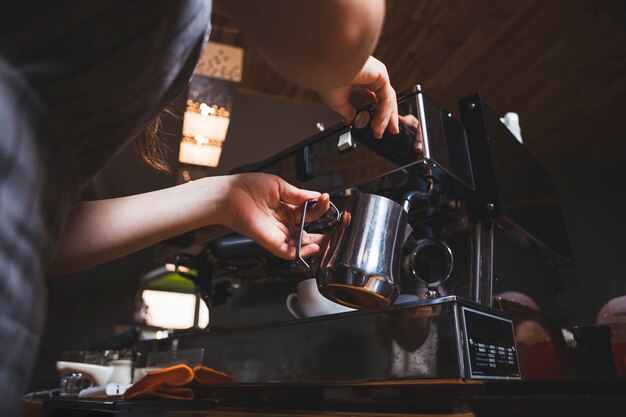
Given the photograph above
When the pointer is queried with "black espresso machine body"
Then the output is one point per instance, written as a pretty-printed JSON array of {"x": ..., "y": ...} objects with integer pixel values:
[
  {"x": 443, "y": 256},
  {"x": 446, "y": 339},
  {"x": 440, "y": 328}
]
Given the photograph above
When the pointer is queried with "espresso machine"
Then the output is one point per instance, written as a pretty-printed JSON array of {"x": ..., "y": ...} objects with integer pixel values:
[{"x": 411, "y": 249}]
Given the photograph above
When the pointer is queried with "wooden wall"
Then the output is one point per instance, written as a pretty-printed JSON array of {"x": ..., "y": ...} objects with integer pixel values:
[{"x": 561, "y": 64}]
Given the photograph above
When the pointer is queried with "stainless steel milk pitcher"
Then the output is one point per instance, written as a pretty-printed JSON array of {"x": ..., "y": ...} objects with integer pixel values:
[{"x": 360, "y": 265}]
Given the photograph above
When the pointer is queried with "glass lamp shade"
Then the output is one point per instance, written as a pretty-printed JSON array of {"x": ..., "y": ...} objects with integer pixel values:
[
  {"x": 206, "y": 120},
  {"x": 209, "y": 101}
]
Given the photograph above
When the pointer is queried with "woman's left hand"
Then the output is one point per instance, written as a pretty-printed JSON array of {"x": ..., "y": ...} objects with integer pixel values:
[
  {"x": 372, "y": 83},
  {"x": 268, "y": 210}
]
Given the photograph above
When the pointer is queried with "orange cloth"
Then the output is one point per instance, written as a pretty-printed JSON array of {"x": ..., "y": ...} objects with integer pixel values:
[
  {"x": 173, "y": 382},
  {"x": 207, "y": 376},
  {"x": 164, "y": 383}
]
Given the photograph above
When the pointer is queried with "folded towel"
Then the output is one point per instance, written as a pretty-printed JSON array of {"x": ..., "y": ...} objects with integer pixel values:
[
  {"x": 207, "y": 376},
  {"x": 164, "y": 383},
  {"x": 173, "y": 382}
]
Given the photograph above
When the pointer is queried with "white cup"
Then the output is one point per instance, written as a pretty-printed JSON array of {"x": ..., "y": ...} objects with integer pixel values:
[{"x": 311, "y": 303}]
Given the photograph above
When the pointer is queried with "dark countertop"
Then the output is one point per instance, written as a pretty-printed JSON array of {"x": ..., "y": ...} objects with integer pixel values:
[{"x": 512, "y": 398}]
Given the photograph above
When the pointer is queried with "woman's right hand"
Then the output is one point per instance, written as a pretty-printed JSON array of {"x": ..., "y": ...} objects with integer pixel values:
[
  {"x": 262, "y": 207},
  {"x": 268, "y": 210}
]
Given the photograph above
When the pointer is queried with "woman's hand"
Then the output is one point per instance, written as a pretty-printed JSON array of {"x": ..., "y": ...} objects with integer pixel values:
[
  {"x": 372, "y": 81},
  {"x": 413, "y": 125},
  {"x": 268, "y": 210},
  {"x": 263, "y": 207}
]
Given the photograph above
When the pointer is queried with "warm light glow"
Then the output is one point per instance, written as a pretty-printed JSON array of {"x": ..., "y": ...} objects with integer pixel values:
[
  {"x": 207, "y": 126},
  {"x": 170, "y": 310},
  {"x": 204, "y": 131},
  {"x": 170, "y": 267},
  {"x": 196, "y": 154},
  {"x": 207, "y": 116}
]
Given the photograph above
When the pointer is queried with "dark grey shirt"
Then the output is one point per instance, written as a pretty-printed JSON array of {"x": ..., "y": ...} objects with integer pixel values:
[{"x": 78, "y": 80}]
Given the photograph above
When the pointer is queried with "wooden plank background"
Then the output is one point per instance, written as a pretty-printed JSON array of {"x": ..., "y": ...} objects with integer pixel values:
[{"x": 560, "y": 64}]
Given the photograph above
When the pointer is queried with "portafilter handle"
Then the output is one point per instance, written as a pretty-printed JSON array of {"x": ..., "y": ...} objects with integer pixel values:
[{"x": 302, "y": 264}]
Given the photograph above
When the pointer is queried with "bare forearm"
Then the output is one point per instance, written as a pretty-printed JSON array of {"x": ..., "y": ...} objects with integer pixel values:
[
  {"x": 316, "y": 44},
  {"x": 99, "y": 231}
]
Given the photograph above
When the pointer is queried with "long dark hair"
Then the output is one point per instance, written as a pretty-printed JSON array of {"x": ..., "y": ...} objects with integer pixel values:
[{"x": 151, "y": 147}]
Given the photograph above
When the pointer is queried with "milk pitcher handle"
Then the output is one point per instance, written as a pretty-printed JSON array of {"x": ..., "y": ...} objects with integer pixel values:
[{"x": 302, "y": 264}]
